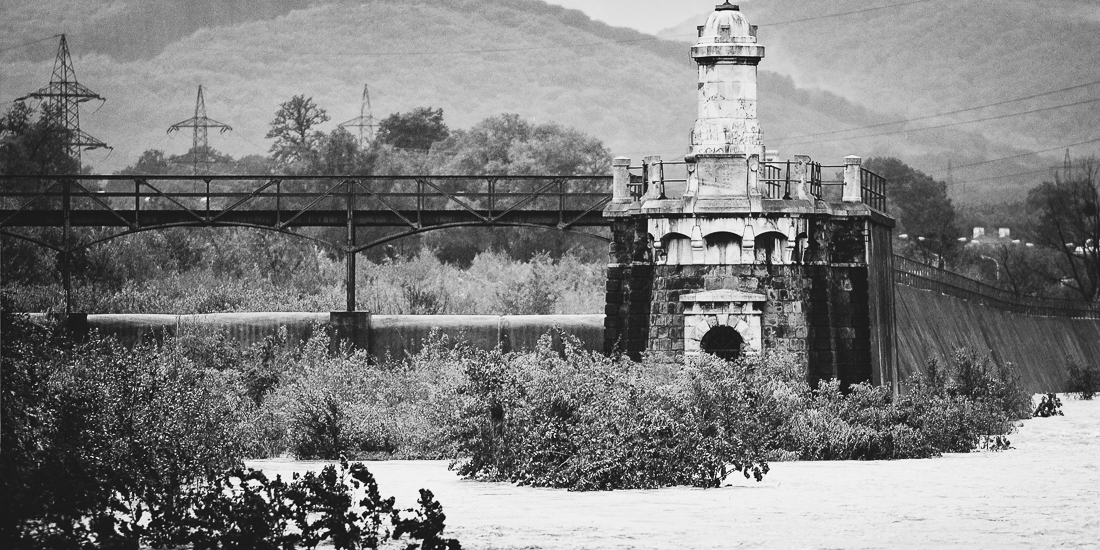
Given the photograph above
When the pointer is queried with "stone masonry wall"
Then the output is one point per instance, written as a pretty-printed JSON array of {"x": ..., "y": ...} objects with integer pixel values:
[
  {"x": 629, "y": 282},
  {"x": 818, "y": 311}
]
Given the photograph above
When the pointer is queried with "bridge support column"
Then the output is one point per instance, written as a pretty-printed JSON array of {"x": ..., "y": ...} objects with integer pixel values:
[
  {"x": 353, "y": 327},
  {"x": 349, "y": 255},
  {"x": 66, "y": 253}
]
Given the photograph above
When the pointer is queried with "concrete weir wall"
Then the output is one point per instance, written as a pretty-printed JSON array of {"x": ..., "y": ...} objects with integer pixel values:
[
  {"x": 383, "y": 335},
  {"x": 933, "y": 324}
]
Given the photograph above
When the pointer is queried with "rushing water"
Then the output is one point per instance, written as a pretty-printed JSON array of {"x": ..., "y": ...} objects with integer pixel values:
[{"x": 1043, "y": 493}]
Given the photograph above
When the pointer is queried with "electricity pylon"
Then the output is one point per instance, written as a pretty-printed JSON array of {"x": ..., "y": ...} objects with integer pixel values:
[
  {"x": 63, "y": 97},
  {"x": 365, "y": 120},
  {"x": 200, "y": 124}
]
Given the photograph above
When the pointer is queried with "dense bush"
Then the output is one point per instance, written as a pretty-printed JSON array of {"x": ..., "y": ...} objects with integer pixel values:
[
  {"x": 110, "y": 447},
  {"x": 1084, "y": 380},
  {"x": 569, "y": 418},
  {"x": 94, "y": 422},
  {"x": 316, "y": 404}
]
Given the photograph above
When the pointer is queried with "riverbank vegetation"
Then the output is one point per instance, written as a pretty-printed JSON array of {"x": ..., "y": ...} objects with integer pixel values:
[{"x": 92, "y": 421}]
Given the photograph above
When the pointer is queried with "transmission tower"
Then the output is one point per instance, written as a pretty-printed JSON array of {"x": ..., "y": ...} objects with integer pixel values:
[
  {"x": 200, "y": 124},
  {"x": 62, "y": 98},
  {"x": 365, "y": 120}
]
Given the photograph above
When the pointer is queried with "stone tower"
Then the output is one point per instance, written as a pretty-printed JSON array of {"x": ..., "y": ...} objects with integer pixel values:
[{"x": 740, "y": 254}]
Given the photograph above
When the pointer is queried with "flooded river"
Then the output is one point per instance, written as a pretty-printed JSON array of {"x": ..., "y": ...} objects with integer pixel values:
[{"x": 1043, "y": 493}]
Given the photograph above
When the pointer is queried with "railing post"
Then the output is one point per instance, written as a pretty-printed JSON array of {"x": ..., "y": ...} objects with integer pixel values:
[
  {"x": 787, "y": 192},
  {"x": 137, "y": 203},
  {"x": 561, "y": 202},
  {"x": 350, "y": 250},
  {"x": 419, "y": 202},
  {"x": 620, "y": 179},
  {"x": 207, "y": 201},
  {"x": 278, "y": 203},
  {"x": 852, "y": 179},
  {"x": 492, "y": 197}
]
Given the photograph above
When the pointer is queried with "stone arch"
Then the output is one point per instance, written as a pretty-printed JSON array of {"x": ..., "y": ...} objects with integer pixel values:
[
  {"x": 722, "y": 341},
  {"x": 703, "y": 311}
]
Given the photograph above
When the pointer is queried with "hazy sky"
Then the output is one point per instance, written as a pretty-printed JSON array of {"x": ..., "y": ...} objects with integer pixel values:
[{"x": 645, "y": 15}]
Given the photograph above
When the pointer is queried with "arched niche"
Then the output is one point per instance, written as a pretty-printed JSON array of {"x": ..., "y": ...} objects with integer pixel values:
[
  {"x": 771, "y": 249},
  {"x": 675, "y": 248},
  {"x": 722, "y": 248}
]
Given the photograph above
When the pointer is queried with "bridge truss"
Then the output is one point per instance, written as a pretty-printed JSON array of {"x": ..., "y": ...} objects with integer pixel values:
[{"x": 408, "y": 204}]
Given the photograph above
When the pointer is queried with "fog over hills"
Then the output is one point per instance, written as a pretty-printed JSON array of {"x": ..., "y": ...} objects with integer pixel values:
[{"x": 476, "y": 58}]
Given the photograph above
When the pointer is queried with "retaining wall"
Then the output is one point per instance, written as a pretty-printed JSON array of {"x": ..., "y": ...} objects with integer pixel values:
[
  {"x": 928, "y": 324},
  {"x": 385, "y": 335},
  {"x": 933, "y": 324}
]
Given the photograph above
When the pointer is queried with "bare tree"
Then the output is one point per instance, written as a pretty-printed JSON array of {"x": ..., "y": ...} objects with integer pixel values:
[{"x": 1068, "y": 221}]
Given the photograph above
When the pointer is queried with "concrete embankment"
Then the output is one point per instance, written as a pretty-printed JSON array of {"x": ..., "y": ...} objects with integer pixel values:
[
  {"x": 932, "y": 324},
  {"x": 386, "y": 335}
]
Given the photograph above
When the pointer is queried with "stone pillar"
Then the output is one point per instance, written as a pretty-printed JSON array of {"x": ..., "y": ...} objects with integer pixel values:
[
  {"x": 801, "y": 180},
  {"x": 851, "y": 179},
  {"x": 654, "y": 177},
  {"x": 620, "y": 180}
]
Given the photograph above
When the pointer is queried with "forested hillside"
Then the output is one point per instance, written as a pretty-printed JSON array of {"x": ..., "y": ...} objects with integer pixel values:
[{"x": 475, "y": 59}]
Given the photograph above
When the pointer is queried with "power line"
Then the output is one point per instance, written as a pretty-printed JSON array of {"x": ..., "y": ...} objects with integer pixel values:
[
  {"x": 854, "y": 12},
  {"x": 908, "y": 130},
  {"x": 1006, "y": 176},
  {"x": 559, "y": 46},
  {"x": 25, "y": 44},
  {"x": 967, "y": 109},
  {"x": 1027, "y": 154}
]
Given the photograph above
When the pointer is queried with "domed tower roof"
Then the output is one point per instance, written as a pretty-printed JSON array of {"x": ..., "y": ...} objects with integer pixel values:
[
  {"x": 727, "y": 35},
  {"x": 726, "y": 24}
]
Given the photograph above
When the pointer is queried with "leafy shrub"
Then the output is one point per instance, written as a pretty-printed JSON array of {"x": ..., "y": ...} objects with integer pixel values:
[
  {"x": 1049, "y": 406},
  {"x": 319, "y": 404},
  {"x": 244, "y": 509},
  {"x": 576, "y": 419},
  {"x": 1083, "y": 380}
]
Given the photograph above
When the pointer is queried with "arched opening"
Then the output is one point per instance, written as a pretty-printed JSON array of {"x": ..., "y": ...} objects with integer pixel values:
[{"x": 722, "y": 341}]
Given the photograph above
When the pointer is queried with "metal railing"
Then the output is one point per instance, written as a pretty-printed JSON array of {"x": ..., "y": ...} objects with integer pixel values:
[
  {"x": 915, "y": 274},
  {"x": 284, "y": 202},
  {"x": 411, "y": 204},
  {"x": 775, "y": 179},
  {"x": 872, "y": 189}
]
